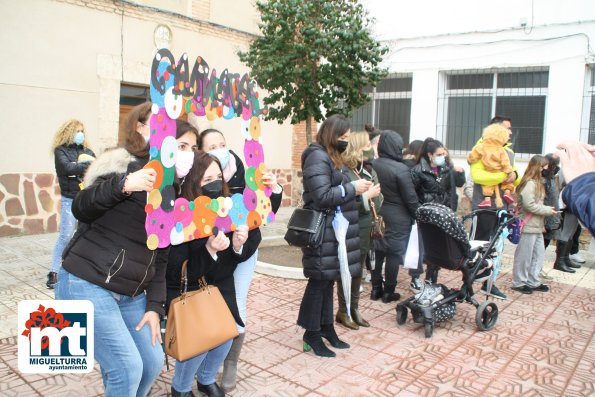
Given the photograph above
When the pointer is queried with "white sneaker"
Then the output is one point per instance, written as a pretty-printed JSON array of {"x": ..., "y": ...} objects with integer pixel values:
[
  {"x": 368, "y": 278},
  {"x": 577, "y": 258},
  {"x": 415, "y": 285},
  {"x": 361, "y": 289}
]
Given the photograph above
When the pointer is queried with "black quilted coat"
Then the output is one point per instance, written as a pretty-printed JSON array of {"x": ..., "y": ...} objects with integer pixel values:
[{"x": 322, "y": 191}]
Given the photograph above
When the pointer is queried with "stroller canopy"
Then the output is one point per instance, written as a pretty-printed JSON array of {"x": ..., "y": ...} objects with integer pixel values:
[{"x": 444, "y": 218}]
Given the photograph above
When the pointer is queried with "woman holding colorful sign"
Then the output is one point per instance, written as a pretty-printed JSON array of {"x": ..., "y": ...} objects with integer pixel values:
[
  {"x": 234, "y": 174},
  {"x": 108, "y": 263}
]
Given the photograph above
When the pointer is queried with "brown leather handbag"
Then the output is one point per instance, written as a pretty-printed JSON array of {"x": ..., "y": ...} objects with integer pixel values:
[
  {"x": 377, "y": 232},
  {"x": 197, "y": 321}
]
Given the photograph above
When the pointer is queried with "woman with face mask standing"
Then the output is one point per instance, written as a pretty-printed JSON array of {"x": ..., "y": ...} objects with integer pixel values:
[
  {"x": 357, "y": 159},
  {"x": 326, "y": 188},
  {"x": 215, "y": 258},
  {"x": 213, "y": 142},
  {"x": 108, "y": 263},
  {"x": 433, "y": 179},
  {"x": 72, "y": 157}
]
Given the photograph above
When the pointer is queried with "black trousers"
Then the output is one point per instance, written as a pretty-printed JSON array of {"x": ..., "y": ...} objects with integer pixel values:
[{"x": 317, "y": 305}]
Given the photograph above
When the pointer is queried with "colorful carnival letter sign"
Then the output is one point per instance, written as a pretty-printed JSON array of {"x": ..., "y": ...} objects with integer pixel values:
[{"x": 175, "y": 90}]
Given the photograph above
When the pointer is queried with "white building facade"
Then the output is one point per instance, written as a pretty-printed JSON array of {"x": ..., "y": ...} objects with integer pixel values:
[{"x": 454, "y": 66}]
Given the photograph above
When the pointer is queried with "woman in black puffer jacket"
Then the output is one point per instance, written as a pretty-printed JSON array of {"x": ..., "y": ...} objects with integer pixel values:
[
  {"x": 108, "y": 263},
  {"x": 435, "y": 181},
  {"x": 398, "y": 210},
  {"x": 326, "y": 187},
  {"x": 432, "y": 175},
  {"x": 72, "y": 157}
]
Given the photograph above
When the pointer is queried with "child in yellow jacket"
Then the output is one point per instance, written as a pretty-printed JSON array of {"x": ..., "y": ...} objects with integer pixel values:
[{"x": 494, "y": 157}]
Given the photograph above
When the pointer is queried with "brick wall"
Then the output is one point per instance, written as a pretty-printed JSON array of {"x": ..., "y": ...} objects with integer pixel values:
[{"x": 201, "y": 9}]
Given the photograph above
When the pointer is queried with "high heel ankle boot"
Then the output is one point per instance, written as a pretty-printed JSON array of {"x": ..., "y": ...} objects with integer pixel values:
[
  {"x": 328, "y": 332},
  {"x": 313, "y": 341}
]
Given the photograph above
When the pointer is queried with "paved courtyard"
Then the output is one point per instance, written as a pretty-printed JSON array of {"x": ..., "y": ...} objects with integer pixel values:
[{"x": 542, "y": 345}]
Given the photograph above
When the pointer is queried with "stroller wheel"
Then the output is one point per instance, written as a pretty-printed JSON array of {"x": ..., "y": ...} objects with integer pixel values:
[
  {"x": 401, "y": 315},
  {"x": 428, "y": 329},
  {"x": 486, "y": 316}
]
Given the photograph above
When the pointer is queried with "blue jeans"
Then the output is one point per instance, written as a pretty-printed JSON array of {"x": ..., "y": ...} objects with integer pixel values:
[
  {"x": 67, "y": 227},
  {"x": 242, "y": 277},
  {"x": 204, "y": 366},
  {"x": 128, "y": 360}
]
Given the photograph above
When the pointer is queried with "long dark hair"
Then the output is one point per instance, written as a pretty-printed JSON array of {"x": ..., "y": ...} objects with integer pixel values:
[
  {"x": 190, "y": 188},
  {"x": 328, "y": 135},
  {"x": 182, "y": 127},
  {"x": 132, "y": 141},
  {"x": 429, "y": 146}
]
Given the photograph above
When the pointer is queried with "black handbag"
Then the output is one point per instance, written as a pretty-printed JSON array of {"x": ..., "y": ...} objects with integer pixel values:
[{"x": 306, "y": 228}]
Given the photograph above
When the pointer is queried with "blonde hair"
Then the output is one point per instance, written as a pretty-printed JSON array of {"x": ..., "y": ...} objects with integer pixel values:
[
  {"x": 357, "y": 141},
  {"x": 65, "y": 134}
]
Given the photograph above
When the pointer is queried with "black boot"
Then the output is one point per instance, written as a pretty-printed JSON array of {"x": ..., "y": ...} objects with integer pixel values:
[
  {"x": 389, "y": 294},
  {"x": 432, "y": 274},
  {"x": 175, "y": 393},
  {"x": 328, "y": 332},
  {"x": 313, "y": 341},
  {"x": 560, "y": 264},
  {"x": 52, "y": 280},
  {"x": 376, "y": 290}
]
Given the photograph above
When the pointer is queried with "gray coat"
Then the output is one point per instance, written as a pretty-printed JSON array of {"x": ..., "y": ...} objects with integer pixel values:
[{"x": 322, "y": 191}]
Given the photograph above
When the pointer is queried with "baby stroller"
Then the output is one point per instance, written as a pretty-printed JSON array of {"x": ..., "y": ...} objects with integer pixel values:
[{"x": 446, "y": 245}]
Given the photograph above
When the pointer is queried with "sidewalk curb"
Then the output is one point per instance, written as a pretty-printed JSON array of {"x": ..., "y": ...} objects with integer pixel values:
[{"x": 268, "y": 269}]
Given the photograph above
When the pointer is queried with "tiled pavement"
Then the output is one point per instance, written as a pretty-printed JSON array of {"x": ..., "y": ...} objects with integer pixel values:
[{"x": 542, "y": 345}]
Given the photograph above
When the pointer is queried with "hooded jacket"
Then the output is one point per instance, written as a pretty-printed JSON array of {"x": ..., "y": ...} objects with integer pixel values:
[
  {"x": 68, "y": 169},
  {"x": 326, "y": 188},
  {"x": 394, "y": 176},
  {"x": 491, "y": 151},
  {"x": 109, "y": 248}
]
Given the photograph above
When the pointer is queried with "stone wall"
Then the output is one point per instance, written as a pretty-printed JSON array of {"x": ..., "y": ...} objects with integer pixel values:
[{"x": 29, "y": 203}]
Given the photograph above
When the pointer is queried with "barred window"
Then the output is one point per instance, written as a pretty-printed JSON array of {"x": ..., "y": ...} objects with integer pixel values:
[
  {"x": 468, "y": 99},
  {"x": 389, "y": 107},
  {"x": 588, "y": 120}
]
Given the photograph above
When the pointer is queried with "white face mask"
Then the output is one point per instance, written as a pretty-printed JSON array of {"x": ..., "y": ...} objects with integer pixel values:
[
  {"x": 440, "y": 160},
  {"x": 184, "y": 162},
  {"x": 222, "y": 155}
]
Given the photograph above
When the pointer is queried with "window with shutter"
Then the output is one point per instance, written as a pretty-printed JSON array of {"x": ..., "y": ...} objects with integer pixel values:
[
  {"x": 389, "y": 107},
  {"x": 468, "y": 99}
]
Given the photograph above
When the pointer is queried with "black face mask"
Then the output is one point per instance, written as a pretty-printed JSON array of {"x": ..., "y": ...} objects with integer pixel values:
[
  {"x": 213, "y": 189},
  {"x": 545, "y": 173},
  {"x": 342, "y": 146}
]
